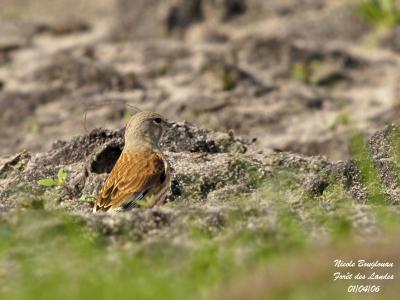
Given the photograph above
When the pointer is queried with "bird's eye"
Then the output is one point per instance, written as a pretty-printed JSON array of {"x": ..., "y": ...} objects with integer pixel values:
[{"x": 157, "y": 120}]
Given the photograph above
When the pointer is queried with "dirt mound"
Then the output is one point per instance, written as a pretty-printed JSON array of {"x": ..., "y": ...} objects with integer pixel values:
[
  {"x": 215, "y": 175},
  {"x": 207, "y": 167}
]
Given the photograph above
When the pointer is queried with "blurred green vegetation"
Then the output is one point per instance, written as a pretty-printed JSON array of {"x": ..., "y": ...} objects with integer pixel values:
[
  {"x": 367, "y": 169},
  {"x": 49, "y": 254},
  {"x": 317, "y": 73},
  {"x": 33, "y": 125},
  {"x": 14, "y": 13},
  {"x": 380, "y": 12},
  {"x": 342, "y": 119},
  {"x": 227, "y": 80}
]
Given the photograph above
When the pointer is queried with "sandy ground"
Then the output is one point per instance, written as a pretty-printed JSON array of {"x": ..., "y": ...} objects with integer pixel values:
[{"x": 297, "y": 75}]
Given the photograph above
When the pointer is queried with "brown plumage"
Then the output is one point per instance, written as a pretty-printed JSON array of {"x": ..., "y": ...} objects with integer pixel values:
[{"x": 141, "y": 172}]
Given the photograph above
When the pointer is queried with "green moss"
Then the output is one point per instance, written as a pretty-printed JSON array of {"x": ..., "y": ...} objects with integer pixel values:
[
  {"x": 247, "y": 169},
  {"x": 332, "y": 211},
  {"x": 228, "y": 144},
  {"x": 31, "y": 202},
  {"x": 88, "y": 198},
  {"x": 368, "y": 170},
  {"x": 395, "y": 143},
  {"x": 196, "y": 187}
]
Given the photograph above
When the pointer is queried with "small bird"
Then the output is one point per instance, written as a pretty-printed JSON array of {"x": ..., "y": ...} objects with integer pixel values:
[{"x": 141, "y": 173}]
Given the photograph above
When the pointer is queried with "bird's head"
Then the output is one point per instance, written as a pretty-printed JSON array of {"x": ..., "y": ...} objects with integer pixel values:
[{"x": 144, "y": 127}]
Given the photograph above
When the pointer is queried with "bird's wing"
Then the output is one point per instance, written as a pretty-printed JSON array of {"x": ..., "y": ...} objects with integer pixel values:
[{"x": 132, "y": 177}]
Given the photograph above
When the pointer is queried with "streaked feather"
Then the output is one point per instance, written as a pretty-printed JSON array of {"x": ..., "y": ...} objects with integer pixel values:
[{"x": 136, "y": 175}]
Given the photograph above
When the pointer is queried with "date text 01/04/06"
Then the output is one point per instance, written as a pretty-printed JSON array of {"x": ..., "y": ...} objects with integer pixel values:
[{"x": 363, "y": 289}]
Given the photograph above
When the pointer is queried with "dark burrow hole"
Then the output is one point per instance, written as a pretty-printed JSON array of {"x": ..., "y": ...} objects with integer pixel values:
[
  {"x": 234, "y": 8},
  {"x": 317, "y": 187},
  {"x": 176, "y": 190},
  {"x": 106, "y": 159}
]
